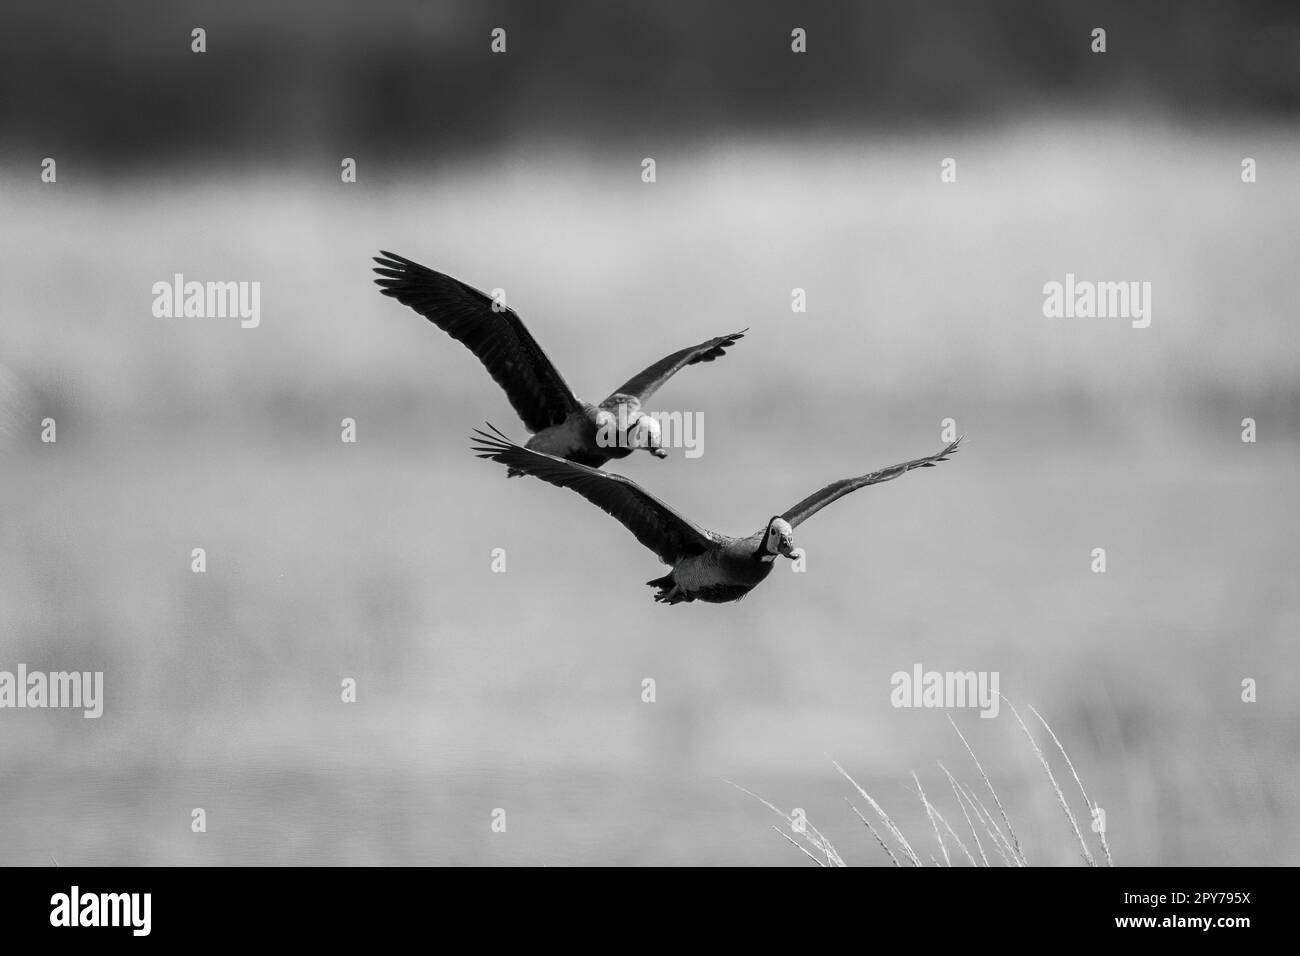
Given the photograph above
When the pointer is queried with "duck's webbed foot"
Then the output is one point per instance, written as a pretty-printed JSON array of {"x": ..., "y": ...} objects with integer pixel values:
[
  {"x": 673, "y": 595},
  {"x": 669, "y": 592}
]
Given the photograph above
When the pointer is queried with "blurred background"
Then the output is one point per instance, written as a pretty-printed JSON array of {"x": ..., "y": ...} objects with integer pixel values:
[{"x": 522, "y": 690}]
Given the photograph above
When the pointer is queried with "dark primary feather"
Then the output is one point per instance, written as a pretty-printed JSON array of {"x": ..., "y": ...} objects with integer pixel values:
[
  {"x": 645, "y": 384},
  {"x": 511, "y": 355},
  {"x": 657, "y": 526},
  {"x": 838, "y": 489}
]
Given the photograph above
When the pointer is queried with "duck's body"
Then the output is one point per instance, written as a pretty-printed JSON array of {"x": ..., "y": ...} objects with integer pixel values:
[
  {"x": 562, "y": 424},
  {"x": 574, "y": 439},
  {"x": 589, "y": 434},
  {"x": 706, "y": 566},
  {"x": 720, "y": 575}
]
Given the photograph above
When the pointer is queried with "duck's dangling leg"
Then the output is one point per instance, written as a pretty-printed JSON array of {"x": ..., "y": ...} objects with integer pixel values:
[{"x": 669, "y": 592}]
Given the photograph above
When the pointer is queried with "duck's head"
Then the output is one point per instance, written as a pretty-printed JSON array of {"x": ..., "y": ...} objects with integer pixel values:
[
  {"x": 645, "y": 434},
  {"x": 778, "y": 539},
  {"x": 628, "y": 431}
]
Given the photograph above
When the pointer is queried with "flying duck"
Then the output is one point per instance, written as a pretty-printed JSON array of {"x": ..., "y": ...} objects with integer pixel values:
[
  {"x": 706, "y": 565},
  {"x": 562, "y": 424}
]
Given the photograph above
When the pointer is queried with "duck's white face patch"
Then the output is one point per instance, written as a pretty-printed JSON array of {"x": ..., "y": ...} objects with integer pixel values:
[
  {"x": 645, "y": 433},
  {"x": 779, "y": 538}
]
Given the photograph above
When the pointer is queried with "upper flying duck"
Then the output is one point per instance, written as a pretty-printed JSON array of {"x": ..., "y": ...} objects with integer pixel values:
[
  {"x": 706, "y": 566},
  {"x": 563, "y": 425}
]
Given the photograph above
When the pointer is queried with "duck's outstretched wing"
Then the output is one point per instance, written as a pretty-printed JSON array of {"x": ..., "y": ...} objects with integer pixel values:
[
  {"x": 645, "y": 384},
  {"x": 838, "y": 489},
  {"x": 657, "y": 526},
  {"x": 498, "y": 338}
]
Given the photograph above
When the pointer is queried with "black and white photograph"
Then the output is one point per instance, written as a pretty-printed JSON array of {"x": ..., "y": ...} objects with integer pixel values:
[{"x": 722, "y": 434}]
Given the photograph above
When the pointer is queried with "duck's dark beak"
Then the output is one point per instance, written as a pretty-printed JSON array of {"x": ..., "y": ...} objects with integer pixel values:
[{"x": 657, "y": 452}]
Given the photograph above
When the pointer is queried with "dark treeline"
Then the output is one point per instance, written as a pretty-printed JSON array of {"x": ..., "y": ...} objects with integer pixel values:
[{"x": 417, "y": 79}]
